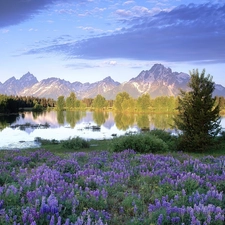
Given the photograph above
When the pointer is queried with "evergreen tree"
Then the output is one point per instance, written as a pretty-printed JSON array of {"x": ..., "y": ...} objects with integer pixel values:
[{"x": 198, "y": 117}]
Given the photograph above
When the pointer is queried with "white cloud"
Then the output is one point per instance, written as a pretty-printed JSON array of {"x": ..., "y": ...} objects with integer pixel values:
[
  {"x": 5, "y": 31},
  {"x": 90, "y": 29},
  {"x": 50, "y": 21},
  {"x": 32, "y": 29},
  {"x": 96, "y": 10},
  {"x": 66, "y": 11},
  {"x": 110, "y": 63},
  {"x": 124, "y": 13},
  {"x": 128, "y": 2}
]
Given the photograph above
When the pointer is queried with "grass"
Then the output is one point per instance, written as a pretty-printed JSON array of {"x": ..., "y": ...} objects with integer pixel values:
[
  {"x": 106, "y": 145},
  {"x": 95, "y": 145}
]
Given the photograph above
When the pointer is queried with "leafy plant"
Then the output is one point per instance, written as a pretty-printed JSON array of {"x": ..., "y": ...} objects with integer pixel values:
[
  {"x": 75, "y": 143},
  {"x": 142, "y": 143}
]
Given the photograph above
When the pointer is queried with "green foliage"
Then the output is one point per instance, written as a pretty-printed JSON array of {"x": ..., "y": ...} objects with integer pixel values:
[
  {"x": 124, "y": 102},
  {"x": 75, "y": 143},
  {"x": 164, "y": 104},
  {"x": 143, "y": 143},
  {"x": 99, "y": 102},
  {"x": 143, "y": 103},
  {"x": 170, "y": 140},
  {"x": 198, "y": 117},
  {"x": 14, "y": 104},
  {"x": 37, "y": 107},
  {"x": 8, "y": 104},
  {"x": 71, "y": 101},
  {"x": 60, "y": 103}
]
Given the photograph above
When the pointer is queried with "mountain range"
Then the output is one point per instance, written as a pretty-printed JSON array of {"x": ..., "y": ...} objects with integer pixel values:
[{"x": 158, "y": 81}]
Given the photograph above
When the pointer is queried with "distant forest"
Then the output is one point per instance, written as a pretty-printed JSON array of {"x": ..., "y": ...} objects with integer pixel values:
[
  {"x": 13, "y": 104},
  {"x": 123, "y": 103}
]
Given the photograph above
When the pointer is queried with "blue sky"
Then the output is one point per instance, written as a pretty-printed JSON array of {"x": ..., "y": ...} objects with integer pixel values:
[{"x": 88, "y": 40}]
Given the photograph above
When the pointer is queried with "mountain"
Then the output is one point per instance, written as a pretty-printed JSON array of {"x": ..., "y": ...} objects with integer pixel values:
[
  {"x": 13, "y": 86},
  {"x": 49, "y": 88},
  {"x": 54, "y": 87},
  {"x": 158, "y": 81},
  {"x": 100, "y": 87}
]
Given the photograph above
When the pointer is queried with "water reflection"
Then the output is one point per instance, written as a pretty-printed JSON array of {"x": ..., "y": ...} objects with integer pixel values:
[
  {"x": 5, "y": 121},
  {"x": 124, "y": 120},
  {"x": 60, "y": 117},
  {"x": 72, "y": 117},
  {"x": 162, "y": 121},
  {"x": 143, "y": 121},
  {"x": 63, "y": 125},
  {"x": 100, "y": 117}
]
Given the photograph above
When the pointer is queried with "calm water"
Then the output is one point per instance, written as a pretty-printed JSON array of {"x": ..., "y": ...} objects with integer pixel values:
[{"x": 21, "y": 131}]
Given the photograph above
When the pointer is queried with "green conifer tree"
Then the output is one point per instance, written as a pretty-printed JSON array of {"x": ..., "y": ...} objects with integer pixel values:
[{"x": 198, "y": 116}]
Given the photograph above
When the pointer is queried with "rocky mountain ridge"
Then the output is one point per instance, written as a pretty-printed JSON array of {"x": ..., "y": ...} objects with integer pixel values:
[{"x": 158, "y": 81}]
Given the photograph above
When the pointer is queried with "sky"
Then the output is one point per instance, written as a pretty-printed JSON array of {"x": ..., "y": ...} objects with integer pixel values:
[{"x": 88, "y": 40}]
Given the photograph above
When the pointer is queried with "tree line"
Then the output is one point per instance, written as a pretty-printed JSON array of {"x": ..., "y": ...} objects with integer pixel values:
[
  {"x": 12, "y": 104},
  {"x": 122, "y": 103},
  {"x": 125, "y": 103}
]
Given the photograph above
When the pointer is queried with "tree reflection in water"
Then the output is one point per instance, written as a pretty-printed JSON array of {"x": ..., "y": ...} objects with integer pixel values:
[
  {"x": 143, "y": 121},
  {"x": 100, "y": 117},
  {"x": 124, "y": 120},
  {"x": 60, "y": 117},
  {"x": 5, "y": 120},
  {"x": 72, "y": 117}
]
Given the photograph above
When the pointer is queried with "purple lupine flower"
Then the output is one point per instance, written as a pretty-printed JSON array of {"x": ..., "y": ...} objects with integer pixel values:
[
  {"x": 1, "y": 203},
  {"x": 7, "y": 218},
  {"x": 67, "y": 222},
  {"x": 121, "y": 210},
  {"x": 53, "y": 203},
  {"x": 59, "y": 222},
  {"x": 135, "y": 209},
  {"x": 160, "y": 219},
  {"x": 208, "y": 219},
  {"x": 104, "y": 193},
  {"x": 183, "y": 192},
  {"x": 52, "y": 221}
]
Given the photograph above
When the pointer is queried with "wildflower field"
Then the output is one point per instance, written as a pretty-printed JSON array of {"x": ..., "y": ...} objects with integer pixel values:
[{"x": 103, "y": 187}]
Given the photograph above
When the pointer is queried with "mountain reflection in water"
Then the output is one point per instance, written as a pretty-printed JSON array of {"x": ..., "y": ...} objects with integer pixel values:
[{"x": 22, "y": 130}]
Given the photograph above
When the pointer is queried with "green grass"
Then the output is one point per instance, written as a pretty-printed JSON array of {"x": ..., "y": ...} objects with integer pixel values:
[
  {"x": 98, "y": 145},
  {"x": 95, "y": 145}
]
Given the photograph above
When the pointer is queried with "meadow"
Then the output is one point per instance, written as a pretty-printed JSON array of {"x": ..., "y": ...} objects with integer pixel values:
[{"x": 105, "y": 187}]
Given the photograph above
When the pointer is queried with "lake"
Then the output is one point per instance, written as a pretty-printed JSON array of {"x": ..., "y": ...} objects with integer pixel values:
[{"x": 20, "y": 131}]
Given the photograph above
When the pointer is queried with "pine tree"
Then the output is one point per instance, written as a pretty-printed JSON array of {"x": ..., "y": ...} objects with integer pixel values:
[{"x": 198, "y": 114}]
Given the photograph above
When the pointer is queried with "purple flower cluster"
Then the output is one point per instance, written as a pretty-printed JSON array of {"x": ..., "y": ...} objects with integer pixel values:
[{"x": 110, "y": 188}]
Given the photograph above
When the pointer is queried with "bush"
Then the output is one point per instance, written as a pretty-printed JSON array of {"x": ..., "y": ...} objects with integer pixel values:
[
  {"x": 75, "y": 143},
  {"x": 142, "y": 143},
  {"x": 170, "y": 140}
]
